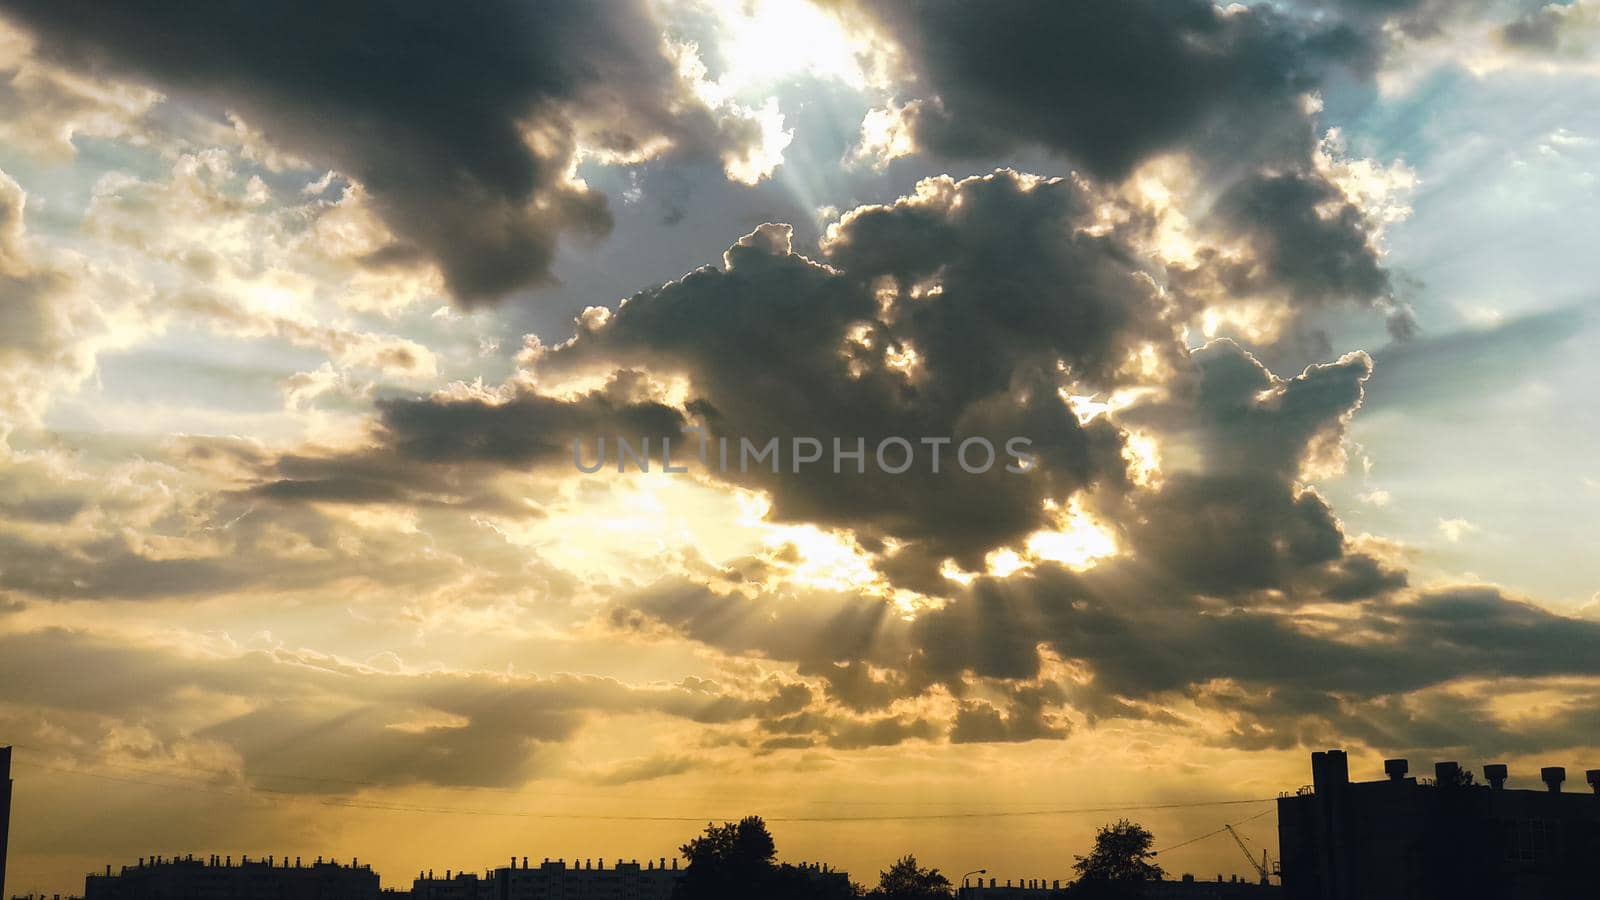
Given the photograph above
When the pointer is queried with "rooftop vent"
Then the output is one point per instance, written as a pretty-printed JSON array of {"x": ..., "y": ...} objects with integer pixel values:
[
  {"x": 1495, "y": 774},
  {"x": 1552, "y": 776}
]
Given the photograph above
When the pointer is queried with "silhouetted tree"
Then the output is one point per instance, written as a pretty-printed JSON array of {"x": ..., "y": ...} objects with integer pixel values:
[
  {"x": 1460, "y": 778},
  {"x": 1121, "y": 855},
  {"x": 905, "y": 880},
  {"x": 735, "y": 861},
  {"x": 731, "y": 860}
]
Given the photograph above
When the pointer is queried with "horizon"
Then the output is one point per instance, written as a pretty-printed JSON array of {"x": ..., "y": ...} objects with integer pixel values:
[{"x": 1256, "y": 826}]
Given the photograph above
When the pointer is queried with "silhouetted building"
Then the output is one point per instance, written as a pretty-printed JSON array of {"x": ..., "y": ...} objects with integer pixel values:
[
  {"x": 453, "y": 886},
  {"x": 1191, "y": 888},
  {"x": 828, "y": 881},
  {"x": 586, "y": 880},
  {"x": 1186, "y": 888},
  {"x": 5, "y": 812},
  {"x": 1448, "y": 840},
  {"x": 220, "y": 878},
  {"x": 1008, "y": 889}
]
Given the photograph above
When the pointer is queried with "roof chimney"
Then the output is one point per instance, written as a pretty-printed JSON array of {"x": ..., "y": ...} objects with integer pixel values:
[
  {"x": 1495, "y": 774},
  {"x": 1593, "y": 777},
  {"x": 1329, "y": 770},
  {"x": 1446, "y": 774},
  {"x": 1552, "y": 776},
  {"x": 1396, "y": 769}
]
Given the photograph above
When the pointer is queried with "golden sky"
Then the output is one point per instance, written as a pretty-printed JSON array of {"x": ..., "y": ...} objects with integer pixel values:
[{"x": 303, "y": 314}]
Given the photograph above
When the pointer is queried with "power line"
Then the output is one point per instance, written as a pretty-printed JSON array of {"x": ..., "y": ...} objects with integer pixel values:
[
  {"x": 1061, "y": 811},
  {"x": 1210, "y": 833}
]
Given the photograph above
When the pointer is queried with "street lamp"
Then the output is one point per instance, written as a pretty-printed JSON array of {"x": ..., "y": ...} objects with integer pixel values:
[{"x": 973, "y": 872}]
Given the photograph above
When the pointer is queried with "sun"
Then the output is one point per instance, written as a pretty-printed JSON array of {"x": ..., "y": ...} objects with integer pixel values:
[{"x": 763, "y": 42}]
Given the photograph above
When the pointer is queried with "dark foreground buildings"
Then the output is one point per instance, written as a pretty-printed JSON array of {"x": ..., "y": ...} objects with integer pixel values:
[
  {"x": 5, "y": 812},
  {"x": 1401, "y": 839},
  {"x": 1186, "y": 888},
  {"x": 586, "y": 880},
  {"x": 219, "y": 878}
]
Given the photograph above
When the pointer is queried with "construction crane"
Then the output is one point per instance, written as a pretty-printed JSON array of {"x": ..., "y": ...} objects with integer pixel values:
[{"x": 1261, "y": 867}]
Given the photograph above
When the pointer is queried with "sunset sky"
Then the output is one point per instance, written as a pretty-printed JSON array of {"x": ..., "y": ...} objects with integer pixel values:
[{"x": 303, "y": 306}]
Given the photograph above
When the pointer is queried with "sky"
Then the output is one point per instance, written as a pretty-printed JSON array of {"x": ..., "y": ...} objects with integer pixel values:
[{"x": 305, "y": 306}]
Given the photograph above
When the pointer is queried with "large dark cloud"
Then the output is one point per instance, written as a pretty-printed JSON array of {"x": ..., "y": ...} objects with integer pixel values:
[
  {"x": 960, "y": 311},
  {"x": 1109, "y": 86},
  {"x": 1235, "y": 586},
  {"x": 1237, "y": 589},
  {"x": 969, "y": 308},
  {"x": 461, "y": 120},
  {"x": 1112, "y": 84}
]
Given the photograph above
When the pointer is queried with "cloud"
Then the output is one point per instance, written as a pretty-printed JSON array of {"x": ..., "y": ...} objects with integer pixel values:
[
  {"x": 956, "y": 312},
  {"x": 1124, "y": 81},
  {"x": 1230, "y": 92},
  {"x": 448, "y": 448},
  {"x": 357, "y": 726},
  {"x": 1308, "y": 239},
  {"x": 945, "y": 314},
  {"x": 1139, "y": 648},
  {"x": 44, "y": 107},
  {"x": 57, "y": 312},
  {"x": 1459, "y": 366},
  {"x": 468, "y": 165},
  {"x": 253, "y": 265},
  {"x": 1027, "y": 719},
  {"x": 884, "y": 731},
  {"x": 1555, "y": 31},
  {"x": 648, "y": 768},
  {"x": 1237, "y": 591}
]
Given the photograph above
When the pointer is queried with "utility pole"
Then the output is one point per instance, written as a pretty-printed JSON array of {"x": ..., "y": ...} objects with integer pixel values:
[{"x": 5, "y": 812}]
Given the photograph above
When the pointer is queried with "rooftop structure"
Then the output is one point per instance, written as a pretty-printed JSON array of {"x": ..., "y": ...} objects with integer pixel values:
[
  {"x": 1442, "y": 839},
  {"x": 220, "y": 878}
]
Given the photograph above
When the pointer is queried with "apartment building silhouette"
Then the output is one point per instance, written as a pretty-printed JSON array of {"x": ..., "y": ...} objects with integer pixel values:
[{"x": 1446, "y": 839}]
